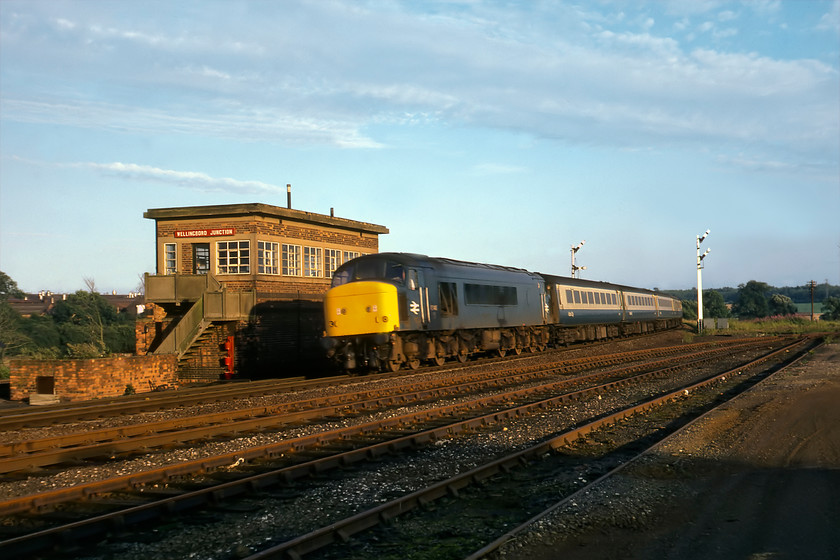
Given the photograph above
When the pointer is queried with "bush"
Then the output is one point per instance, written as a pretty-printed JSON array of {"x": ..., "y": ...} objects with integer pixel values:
[{"x": 84, "y": 350}]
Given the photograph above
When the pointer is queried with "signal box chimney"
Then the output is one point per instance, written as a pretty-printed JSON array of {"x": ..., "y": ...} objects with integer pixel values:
[{"x": 289, "y": 197}]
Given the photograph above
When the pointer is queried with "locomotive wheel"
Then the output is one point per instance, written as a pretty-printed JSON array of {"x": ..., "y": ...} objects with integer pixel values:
[
  {"x": 461, "y": 357},
  {"x": 438, "y": 360},
  {"x": 502, "y": 352},
  {"x": 517, "y": 350},
  {"x": 393, "y": 365},
  {"x": 414, "y": 364}
]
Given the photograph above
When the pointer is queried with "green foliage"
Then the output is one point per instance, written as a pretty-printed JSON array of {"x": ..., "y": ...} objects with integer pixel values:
[
  {"x": 798, "y": 294},
  {"x": 689, "y": 308},
  {"x": 781, "y": 305},
  {"x": 831, "y": 309},
  {"x": 8, "y": 288},
  {"x": 84, "y": 325},
  {"x": 785, "y": 325},
  {"x": 713, "y": 305},
  {"x": 752, "y": 300},
  {"x": 11, "y": 338}
]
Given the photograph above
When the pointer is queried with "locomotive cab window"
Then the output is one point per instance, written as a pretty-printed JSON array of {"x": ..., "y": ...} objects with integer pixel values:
[
  {"x": 370, "y": 270},
  {"x": 448, "y": 293}
]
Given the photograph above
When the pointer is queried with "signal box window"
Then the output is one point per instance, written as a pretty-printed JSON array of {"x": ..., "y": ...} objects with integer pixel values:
[
  {"x": 201, "y": 258},
  {"x": 170, "y": 263},
  {"x": 332, "y": 260},
  {"x": 291, "y": 260},
  {"x": 268, "y": 257},
  {"x": 312, "y": 262},
  {"x": 234, "y": 257}
]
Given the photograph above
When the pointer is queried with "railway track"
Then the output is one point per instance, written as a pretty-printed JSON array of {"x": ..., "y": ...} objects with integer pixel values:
[
  {"x": 27, "y": 455},
  {"x": 404, "y": 434},
  {"x": 340, "y": 531}
]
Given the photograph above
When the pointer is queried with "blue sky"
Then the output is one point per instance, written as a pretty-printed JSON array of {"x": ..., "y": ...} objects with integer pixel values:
[{"x": 496, "y": 131}]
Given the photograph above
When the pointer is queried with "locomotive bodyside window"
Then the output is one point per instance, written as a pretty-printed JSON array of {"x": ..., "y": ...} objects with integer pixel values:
[
  {"x": 569, "y": 296},
  {"x": 577, "y": 296},
  {"x": 481, "y": 294}
]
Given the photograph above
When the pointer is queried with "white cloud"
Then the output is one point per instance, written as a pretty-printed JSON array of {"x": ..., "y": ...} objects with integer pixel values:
[
  {"x": 229, "y": 120},
  {"x": 191, "y": 179},
  {"x": 831, "y": 20},
  {"x": 337, "y": 70}
]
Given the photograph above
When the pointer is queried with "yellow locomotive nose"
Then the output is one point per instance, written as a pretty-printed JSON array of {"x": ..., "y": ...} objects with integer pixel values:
[{"x": 361, "y": 308}]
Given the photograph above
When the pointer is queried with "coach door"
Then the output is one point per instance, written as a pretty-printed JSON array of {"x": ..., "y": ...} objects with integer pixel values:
[{"x": 418, "y": 298}]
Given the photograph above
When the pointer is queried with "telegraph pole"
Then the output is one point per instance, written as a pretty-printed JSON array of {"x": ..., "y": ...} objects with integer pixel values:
[{"x": 813, "y": 286}]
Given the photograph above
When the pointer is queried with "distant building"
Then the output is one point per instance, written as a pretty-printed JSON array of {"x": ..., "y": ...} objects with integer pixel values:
[
  {"x": 44, "y": 301},
  {"x": 238, "y": 287}
]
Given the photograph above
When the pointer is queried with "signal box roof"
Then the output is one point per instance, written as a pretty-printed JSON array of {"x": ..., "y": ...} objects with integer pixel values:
[{"x": 251, "y": 209}]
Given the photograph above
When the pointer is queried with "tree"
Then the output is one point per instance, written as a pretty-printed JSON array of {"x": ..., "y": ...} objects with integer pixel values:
[
  {"x": 781, "y": 305},
  {"x": 713, "y": 305},
  {"x": 689, "y": 308},
  {"x": 81, "y": 320},
  {"x": 831, "y": 309},
  {"x": 11, "y": 338},
  {"x": 8, "y": 288},
  {"x": 752, "y": 300}
]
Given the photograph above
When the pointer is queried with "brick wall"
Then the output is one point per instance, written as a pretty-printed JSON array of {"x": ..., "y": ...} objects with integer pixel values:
[{"x": 76, "y": 380}]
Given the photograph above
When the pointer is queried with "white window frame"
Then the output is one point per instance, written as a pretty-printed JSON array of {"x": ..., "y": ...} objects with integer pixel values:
[
  {"x": 332, "y": 260},
  {"x": 170, "y": 258},
  {"x": 233, "y": 257},
  {"x": 292, "y": 261},
  {"x": 268, "y": 257},
  {"x": 312, "y": 259}
]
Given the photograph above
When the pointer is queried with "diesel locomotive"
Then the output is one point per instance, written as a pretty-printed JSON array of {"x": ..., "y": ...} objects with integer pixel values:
[{"x": 387, "y": 310}]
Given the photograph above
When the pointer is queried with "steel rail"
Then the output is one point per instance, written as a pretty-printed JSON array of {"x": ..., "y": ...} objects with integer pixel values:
[
  {"x": 49, "y": 537},
  {"x": 108, "y": 442},
  {"x": 521, "y": 528},
  {"x": 342, "y": 530},
  {"x": 30, "y": 454},
  {"x": 12, "y": 419}
]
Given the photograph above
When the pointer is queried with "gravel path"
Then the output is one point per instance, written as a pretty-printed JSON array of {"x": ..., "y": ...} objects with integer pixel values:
[{"x": 757, "y": 479}]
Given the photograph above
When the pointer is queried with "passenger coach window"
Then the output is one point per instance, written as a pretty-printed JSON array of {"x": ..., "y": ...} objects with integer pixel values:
[{"x": 577, "y": 296}]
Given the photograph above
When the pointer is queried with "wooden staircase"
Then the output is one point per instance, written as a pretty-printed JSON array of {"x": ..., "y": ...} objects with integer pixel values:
[{"x": 209, "y": 303}]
